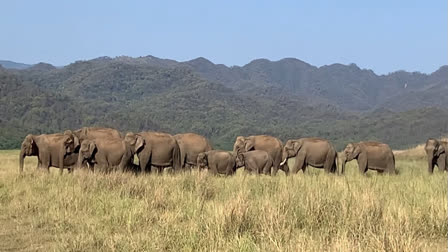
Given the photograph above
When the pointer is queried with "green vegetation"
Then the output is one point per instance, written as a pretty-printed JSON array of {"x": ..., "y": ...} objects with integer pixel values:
[
  {"x": 287, "y": 99},
  {"x": 197, "y": 212}
]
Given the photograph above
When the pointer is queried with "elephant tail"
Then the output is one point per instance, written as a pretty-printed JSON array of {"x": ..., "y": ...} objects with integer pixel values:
[{"x": 177, "y": 164}]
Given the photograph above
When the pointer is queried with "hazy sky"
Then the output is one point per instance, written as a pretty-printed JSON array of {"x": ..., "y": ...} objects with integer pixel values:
[{"x": 383, "y": 35}]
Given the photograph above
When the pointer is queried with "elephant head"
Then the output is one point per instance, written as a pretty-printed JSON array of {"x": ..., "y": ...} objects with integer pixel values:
[
  {"x": 202, "y": 160},
  {"x": 239, "y": 160},
  {"x": 243, "y": 144},
  {"x": 86, "y": 152},
  {"x": 135, "y": 141},
  {"x": 433, "y": 150},
  {"x": 290, "y": 150},
  {"x": 71, "y": 141},
  {"x": 351, "y": 151},
  {"x": 28, "y": 148}
]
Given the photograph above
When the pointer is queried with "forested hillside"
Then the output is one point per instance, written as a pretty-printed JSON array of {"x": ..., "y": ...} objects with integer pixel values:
[{"x": 288, "y": 98}]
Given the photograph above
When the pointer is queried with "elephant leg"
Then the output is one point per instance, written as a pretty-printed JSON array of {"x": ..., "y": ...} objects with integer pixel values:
[
  {"x": 229, "y": 170},
  {"x": 362, "y": 163},
  {"x": 328, "y": 164},
  {"x": 45, "y": 162},
  {"x": 299, "y": 163},
  {"x": 267, "y": 168},
  {"x": 441, "y": 163},
  {"x": 144, "y": 162}
]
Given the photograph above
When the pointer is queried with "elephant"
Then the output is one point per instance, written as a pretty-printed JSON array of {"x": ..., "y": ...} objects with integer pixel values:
[
  {"x": 57, "y": 150},
  {"x": 370, "y": 155},
  {"x": 257, "y": 161},
  {"x": 312, "y": 151},
  {"x": 436, "y": 154},
  {"x": 92, "y": 133},
  {"x": 107, "y": 154},
  {"x": 217, "y": 162},
  {"x": 96, "y": 132},
  {"x": 272, "y": 145},
  {"x": 159, "y": 150},
  {"x": 191, "y": 145}
]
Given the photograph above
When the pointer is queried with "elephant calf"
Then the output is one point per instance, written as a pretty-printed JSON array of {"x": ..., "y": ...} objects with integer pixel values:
[
  {"x": 217, "y": 162},
  {"x": 106, "y": 154},
  {"x": 370, "y": 155},
  {"x": 256, "y": 161}
]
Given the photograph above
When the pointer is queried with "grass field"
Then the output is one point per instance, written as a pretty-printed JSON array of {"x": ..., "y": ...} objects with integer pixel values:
[{"x": 196, "y": 212}]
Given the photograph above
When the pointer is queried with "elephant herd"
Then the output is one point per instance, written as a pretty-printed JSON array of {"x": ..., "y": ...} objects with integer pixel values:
[{"x": 106, "y": 150}]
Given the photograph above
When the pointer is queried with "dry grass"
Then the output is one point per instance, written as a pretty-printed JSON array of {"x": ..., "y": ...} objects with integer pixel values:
[
  {"x": 197, "y": 212},
  {"x": 418, "y": 152}
]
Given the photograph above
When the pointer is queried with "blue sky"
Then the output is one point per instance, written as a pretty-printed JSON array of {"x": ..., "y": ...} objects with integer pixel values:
[{"x": 381, "y": 35}]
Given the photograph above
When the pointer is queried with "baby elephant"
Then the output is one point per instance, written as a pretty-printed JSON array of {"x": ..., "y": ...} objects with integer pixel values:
[
  {"x": 217, "y": 162},
  {"x": 256, "y": 161}
]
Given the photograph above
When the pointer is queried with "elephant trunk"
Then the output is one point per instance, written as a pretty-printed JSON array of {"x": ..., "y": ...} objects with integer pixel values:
[
  {"x": 343, "y": 161},
  {"x": 21, "y": 158},
  {"x": 430, "y": 164},
  {"x": 80, "y": 161},
  {"x": 284, "y": 158}
]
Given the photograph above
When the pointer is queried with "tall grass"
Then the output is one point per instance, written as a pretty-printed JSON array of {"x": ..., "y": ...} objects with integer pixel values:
[{"x": 197, "y": 212}]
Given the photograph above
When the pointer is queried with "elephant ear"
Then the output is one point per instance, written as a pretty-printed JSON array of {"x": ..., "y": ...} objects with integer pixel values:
[
  {"x": 139, "y": 143},
  {"x": 249, "y": 144},
  {"x": 68, "y": 141},
  {"x": 70, "y": 134},
  {"x": 440, "y": 150},
  {"x": 356, "y": 150},
  {"x": 297, "y": 145},
  {"x": 92, "y": 148},
  {"x": 29, "y": 139},
  {"x": 202, "y": 157}
]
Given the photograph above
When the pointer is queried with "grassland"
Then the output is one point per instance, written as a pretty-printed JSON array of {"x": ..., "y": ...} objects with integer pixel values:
[{"x": 196, "y": 212}]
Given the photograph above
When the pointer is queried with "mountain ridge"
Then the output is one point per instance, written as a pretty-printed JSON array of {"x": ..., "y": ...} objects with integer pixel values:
[{"x": 288, "y": 98}]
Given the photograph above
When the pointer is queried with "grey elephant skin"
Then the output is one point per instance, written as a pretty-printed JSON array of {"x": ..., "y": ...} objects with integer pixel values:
[
  {"x": 272, "y": 145},
  {"x": 96, "y": 132},
  {"x": 217, "y": 162},
  {"x": 256, "y": 161},
  {"x": 190, "y": 145},
  {"x": 92, "y": 133},
  {"x": 370, "y": 155},
  {"x": 56, "y": 150},
  {"x": 159, "y": 150},
  {"x": 105, "y": 155},
  {"x": 436, "y": 154},
  {"x": 312, "y": 151}
]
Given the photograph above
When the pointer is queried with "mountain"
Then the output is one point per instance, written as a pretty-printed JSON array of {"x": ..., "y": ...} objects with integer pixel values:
[
  {"x": 287, "y": 98},
  {"x": 13, "y": 65}
]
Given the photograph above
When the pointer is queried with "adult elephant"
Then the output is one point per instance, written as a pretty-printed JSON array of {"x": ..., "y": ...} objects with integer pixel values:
[
  {"x": 436, "y": 154},
  {"x": 96, "y": 132},
  {"x": 159, "y": 150},
  {"x": 217, "y": 162},
  {"x": 92, "y": 133},
  {"x": 272, "y": 145},
  {"x": 190, "y": 145},
  {"x": 370, "y": 155},
  {"x": 57, "y": 150},
  {"x": 106, "y": 154},
  {"x": 312, "y": 151}
]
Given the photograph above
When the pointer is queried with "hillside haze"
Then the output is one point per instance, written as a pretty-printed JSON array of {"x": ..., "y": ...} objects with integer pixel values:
[{"x": 288, "y": 98}]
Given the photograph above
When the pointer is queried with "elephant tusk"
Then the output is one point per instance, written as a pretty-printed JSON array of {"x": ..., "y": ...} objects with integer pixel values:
[{"x": 284, "y": 161}]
